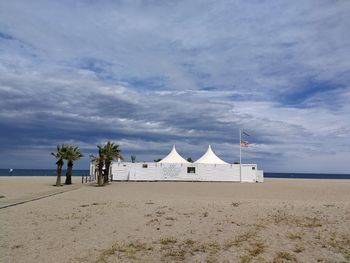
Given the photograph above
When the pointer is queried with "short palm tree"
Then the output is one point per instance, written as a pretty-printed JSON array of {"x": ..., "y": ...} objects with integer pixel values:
[
  {"x": 72, "y": 153},
  {"x": 59, "y": 155},
  {"x": 110, "y": 151},
  {"x": 98, "y": 162}
]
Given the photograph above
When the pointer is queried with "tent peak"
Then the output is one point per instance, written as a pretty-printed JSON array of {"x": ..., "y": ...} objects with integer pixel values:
[
  {"x": 173, "y": 157},
  {"x": 210, "y": 158}
]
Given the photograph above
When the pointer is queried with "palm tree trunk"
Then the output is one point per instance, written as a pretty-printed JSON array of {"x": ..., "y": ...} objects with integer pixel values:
[
  {"x": 99, "y": 175},
  {"x": 106, "y": 175},
  {"x": 59, "y": 172},
  {"x": 69, "y": 172}
]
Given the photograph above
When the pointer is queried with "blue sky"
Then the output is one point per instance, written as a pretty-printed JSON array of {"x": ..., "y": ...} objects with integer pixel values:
[{"x": 150, "y": 74}]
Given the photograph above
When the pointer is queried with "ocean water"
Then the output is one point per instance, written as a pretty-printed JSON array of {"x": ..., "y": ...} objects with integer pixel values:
[
  {"x": 307, "y": 175},
  {"x": 52, "y": 172},
  {"x": 39, "y": 172}
]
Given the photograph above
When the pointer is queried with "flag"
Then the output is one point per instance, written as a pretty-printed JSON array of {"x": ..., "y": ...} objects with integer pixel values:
[
  {"x": 244, "y": 143},
  {"x": 243, "y": 132}
]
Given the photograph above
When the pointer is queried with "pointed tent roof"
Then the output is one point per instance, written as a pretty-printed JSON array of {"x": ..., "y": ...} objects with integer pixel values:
[
  {"x": 210, "y": 157},
  {"x": 173, "y": 157}
]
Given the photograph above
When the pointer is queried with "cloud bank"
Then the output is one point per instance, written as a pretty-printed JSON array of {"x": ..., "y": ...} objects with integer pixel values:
[{"x": 150, "y": 74}]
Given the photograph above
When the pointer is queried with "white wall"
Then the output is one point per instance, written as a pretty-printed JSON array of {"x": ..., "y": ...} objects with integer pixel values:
[{"x": 178, "y": 172}]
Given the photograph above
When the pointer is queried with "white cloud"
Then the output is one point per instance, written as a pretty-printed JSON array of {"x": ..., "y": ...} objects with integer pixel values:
[{"x": 153, "y": 74}]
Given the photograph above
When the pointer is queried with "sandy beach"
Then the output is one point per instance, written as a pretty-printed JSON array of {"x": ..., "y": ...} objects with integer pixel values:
[{"x": 279, "y": 220}]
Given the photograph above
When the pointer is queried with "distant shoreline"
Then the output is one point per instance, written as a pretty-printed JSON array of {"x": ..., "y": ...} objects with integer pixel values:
[
  {"x": 346, "y": 177},
  {"x": 79, "y": 173}
]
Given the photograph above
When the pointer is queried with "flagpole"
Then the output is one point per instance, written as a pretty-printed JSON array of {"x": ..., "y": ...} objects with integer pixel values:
[{"x": 240, "y": 155}]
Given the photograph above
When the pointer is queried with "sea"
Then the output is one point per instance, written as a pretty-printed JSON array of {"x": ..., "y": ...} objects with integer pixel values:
[
  {"x": 39, "y": 172},
  {"x": 52, "y": 172}
]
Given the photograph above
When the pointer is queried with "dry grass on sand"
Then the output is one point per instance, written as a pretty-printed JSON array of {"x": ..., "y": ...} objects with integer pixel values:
[{"x": 278, "y": 221}]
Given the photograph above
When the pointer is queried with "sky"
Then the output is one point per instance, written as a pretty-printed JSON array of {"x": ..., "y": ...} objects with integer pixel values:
[{"x": 151, "y": 74}]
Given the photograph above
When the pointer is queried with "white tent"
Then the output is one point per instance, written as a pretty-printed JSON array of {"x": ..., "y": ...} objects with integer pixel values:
[
  {"x": 173, "y": 167},
  {"x": 173, "y": 157},
  {"x": 210, "y": 158}
]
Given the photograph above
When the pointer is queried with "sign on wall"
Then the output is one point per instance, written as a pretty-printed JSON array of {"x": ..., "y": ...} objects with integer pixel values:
[{"x": 171, "y": 171}]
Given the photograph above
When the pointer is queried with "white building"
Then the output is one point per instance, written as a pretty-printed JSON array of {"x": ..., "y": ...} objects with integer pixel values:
[{"x": 175, "y": 168}]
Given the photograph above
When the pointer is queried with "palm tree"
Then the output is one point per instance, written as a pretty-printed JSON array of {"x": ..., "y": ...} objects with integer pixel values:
[
  {"x": 72, "y": 153},
  {"x": 110, "y": 151},
  {"x": 59, "y": 155},
  {"x": 99, "y": 162}
]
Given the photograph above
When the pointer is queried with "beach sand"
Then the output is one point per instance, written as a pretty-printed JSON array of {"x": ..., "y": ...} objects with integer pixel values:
[{"x": 280, "y": 220}]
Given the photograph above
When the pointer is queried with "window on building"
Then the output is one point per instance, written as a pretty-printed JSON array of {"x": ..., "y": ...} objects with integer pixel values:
[
  {"x": 191, "y": 170},
  {"x": 145, "y": 165},
  {"x": 253, "y": 168}
]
